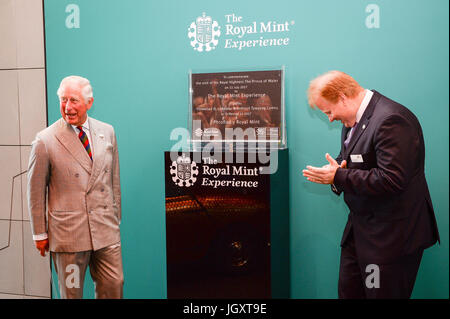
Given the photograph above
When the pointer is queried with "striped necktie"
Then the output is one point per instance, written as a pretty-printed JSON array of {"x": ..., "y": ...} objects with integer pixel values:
[{"x": 85, "y": 141}]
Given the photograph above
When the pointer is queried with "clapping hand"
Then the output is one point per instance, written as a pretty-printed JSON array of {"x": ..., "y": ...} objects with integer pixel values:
[{"x": 324, "y": 174}]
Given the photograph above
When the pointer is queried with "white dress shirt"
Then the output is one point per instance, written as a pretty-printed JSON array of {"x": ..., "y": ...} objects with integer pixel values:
[{"x": 362, "y": 108}]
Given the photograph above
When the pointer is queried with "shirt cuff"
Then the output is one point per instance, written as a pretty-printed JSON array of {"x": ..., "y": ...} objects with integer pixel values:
[{"x": 40, "y": 236}]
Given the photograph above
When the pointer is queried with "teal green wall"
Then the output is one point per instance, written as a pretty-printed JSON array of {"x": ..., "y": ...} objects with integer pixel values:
[{"x": 137, "y": 56}]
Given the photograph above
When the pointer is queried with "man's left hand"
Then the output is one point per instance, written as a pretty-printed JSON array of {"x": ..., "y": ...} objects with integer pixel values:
[{"x": 324, "y": 174}]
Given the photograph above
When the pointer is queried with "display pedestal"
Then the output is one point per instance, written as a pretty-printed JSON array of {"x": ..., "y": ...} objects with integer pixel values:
[{"x": 227, "y": 225}]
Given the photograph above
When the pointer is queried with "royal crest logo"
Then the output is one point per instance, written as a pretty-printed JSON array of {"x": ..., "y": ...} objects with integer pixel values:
[
  {"x": 184, "y": 171},
  {"x": 204, "y": 33},
  {"x": 261, "y": 131},
  {"x": 198, "y": 132}
]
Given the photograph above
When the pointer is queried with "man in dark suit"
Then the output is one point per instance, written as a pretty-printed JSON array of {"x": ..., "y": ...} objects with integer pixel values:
[{"x": 380, "y": 169}]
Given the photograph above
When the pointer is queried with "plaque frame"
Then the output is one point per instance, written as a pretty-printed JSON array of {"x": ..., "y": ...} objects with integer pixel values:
[{"x": 252, "y": 144}]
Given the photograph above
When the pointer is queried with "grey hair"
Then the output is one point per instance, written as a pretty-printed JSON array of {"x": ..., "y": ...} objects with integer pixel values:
[{"x": 86, "y": 88}]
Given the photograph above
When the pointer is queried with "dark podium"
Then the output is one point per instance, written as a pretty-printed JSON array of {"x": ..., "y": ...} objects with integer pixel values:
[{"x": 227, "y": 225}]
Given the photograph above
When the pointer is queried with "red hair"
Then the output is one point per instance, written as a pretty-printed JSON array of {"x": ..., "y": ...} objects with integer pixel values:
[{"x": 331, "y": 86}]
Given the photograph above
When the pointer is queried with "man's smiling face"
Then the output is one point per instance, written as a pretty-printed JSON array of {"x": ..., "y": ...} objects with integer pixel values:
[
  {"x": 73, "y": 107},
  {"x": 340, "y": 111}
]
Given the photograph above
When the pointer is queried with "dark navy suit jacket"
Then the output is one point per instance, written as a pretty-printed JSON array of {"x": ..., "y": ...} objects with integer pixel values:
[{"x": 391, "y": 214}]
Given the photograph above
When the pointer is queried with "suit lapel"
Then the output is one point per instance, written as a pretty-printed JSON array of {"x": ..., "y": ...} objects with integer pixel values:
[
  {"x": 69, "y": 139},
  {"x": 98, "y": 146},
  {"x": 363, "y": 123},
  {"x": 359, "y": 130}
]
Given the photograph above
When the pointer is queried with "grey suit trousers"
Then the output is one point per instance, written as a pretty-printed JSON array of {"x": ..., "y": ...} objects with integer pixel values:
[{"x": 106, "y": 270}]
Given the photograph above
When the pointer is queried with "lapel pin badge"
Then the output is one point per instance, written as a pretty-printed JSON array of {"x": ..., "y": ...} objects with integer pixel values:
[{"x": 364, "y": 126}]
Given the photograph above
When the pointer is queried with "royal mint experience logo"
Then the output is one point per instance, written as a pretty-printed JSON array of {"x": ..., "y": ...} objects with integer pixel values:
[
  {"x": 204, "y": 33},
  {"x": 184, "y": 171},
  {"x": 239, "y": 34}
]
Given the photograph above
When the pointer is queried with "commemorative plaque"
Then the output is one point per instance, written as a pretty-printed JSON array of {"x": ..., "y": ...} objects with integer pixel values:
[{"x": 244, "y": 107}]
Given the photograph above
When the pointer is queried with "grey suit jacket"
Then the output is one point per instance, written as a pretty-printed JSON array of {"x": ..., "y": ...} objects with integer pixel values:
[{"x": 83, "y": 196}]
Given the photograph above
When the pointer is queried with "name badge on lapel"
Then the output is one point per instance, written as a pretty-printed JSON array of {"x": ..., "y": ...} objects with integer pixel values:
[{"x": 356, "y": 158}]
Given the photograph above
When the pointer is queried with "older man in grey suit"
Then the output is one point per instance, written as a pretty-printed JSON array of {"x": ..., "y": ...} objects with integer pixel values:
[{"x": 74, "y": 167}]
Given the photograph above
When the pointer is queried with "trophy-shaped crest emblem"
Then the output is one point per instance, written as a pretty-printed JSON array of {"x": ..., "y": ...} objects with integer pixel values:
[
  {"x": 204, "y": 29},
  {"x": 184, "y": 167}
]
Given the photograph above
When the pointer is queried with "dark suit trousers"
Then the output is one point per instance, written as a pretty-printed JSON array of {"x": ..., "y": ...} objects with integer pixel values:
[{"x": 358, "y": 280}]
